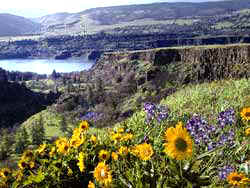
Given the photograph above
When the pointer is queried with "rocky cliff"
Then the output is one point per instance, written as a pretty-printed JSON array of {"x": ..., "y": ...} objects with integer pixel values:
[{"x": 179, "y": 65}]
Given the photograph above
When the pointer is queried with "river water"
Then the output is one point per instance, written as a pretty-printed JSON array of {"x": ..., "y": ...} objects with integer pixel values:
[{"x": 46, "y": 66}]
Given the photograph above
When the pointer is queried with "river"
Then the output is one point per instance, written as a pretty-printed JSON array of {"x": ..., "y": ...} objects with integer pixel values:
[{"x": 46, "y": 66}]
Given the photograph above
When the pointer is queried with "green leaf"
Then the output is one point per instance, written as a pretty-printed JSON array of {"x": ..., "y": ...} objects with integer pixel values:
[
  {"x": 208, "y": 153},
  {"x": 39, "y": 177},
  {"x": 15, "y": 185},
  {"x": 204, "y": 181}
]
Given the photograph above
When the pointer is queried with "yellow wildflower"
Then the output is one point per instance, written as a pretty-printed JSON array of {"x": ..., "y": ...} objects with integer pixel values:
[
  {"x": 41, "y": 149},
  {"x": 91, "y": 184},
  {"x": 235, "y": 178},
  {"x": 52, "y": 152},
  {"x": 178, "y": 142},
  {"x": 80, "y": 163},
  {"x": 22, "y": 164},
  {"x": 247, "y": 131},
  {"x": 84, "y": 125},
  {"x": 5, "y": 173},
  {"x": 31, "y": 164},
  {"x": 19, "y": 175},
  {"x": 143, "y": 151},
  {"x": 120, "y": 130},
  {"x": 245, "y": 113},
  {"x": 63, "y": 148},
  {"x": 76, "y": 142},
  {"x": 104, "y": 155},
  {"x": 114, "y": 156},
  {"x": 62, "y": 145},
  {"x": 93, "y": 139},
  {"x": 60, "y": 141},
  {"x": 127, "y": 136},
  {"x": 27, "y": 155},
  {"x": 102, "y": 174},
  {"x": 76, "y": 133},
  {"x": 123, "y": 150},
  {"x": 116, "y": 137}
]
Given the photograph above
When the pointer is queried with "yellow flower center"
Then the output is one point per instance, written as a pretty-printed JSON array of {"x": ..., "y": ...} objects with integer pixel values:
[
  {"x": 23, "y": 164},
  {"x": 236, "y": 178},
  {"x": 6, "y": 173},
  {"x": 103, "y": 173},
  {"x": 181, "y": 144},
  {"x": 29, "y": 154},
  {"x": 66, "y": 148}
]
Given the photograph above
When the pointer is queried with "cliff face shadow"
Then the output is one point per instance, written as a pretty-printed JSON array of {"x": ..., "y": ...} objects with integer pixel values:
[{"x": 17, "y": 103}]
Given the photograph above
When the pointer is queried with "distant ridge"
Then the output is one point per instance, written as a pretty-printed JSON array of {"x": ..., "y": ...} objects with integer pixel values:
[
  {"x": 11, "y": 25},
  {"x": 161, "y": 13}
]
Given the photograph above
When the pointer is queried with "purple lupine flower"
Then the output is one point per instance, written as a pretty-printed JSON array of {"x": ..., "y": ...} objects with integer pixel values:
[
  {"x": 210, "y": 135},
  {"x": 162, "y": 113},
  {"x": 157, "y": 112},
  {"x": 92, "y": 116},
  {"x": 227, "y": 138},
  {"x": 146, "y": 139},
  {"x": 211, "y": 146},
  {"x": 199, "y": 130},
  {"x": 226, "y": 117},
  {"x": 225, "y": 171},
  {"x": 149, "y": 107}
]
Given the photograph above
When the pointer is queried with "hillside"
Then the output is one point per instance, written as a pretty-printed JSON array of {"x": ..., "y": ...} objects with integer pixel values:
[
  {"x": 198, "y": 18},
  {"x": 18, "y": 102},
  {"x": 12, "y": 25},
  {"x": 132, "y": 78}
]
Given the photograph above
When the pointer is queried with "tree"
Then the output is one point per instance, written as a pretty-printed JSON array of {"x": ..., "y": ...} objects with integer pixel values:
[
  {"x": 22, "y": 140},
  {"x": 38, "y": 132},
  {"x": 6, "y": 142},
  {"x": 54, "y": 75}
]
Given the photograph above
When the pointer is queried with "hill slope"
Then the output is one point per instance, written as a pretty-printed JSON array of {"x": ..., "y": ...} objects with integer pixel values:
[
  {"x": 18, "y": 102},
  {"x": 165, "y": 17},
  {"x": 12, "y": 25}
]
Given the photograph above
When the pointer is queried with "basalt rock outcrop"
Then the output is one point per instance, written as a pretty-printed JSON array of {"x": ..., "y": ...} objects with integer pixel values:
[{"x": 178, "y": 65}]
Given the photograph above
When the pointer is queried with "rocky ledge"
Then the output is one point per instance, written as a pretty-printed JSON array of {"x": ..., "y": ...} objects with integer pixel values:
[{"x": 179, "y": 65}]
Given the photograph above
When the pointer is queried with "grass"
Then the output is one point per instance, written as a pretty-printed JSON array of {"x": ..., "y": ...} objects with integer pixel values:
[
  {"x": 51, "y": 123},
  {"x": 209, "y": 99}
]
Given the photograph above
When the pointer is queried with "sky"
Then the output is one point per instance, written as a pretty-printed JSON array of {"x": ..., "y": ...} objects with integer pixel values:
[{"x": 37, "y": 8}]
